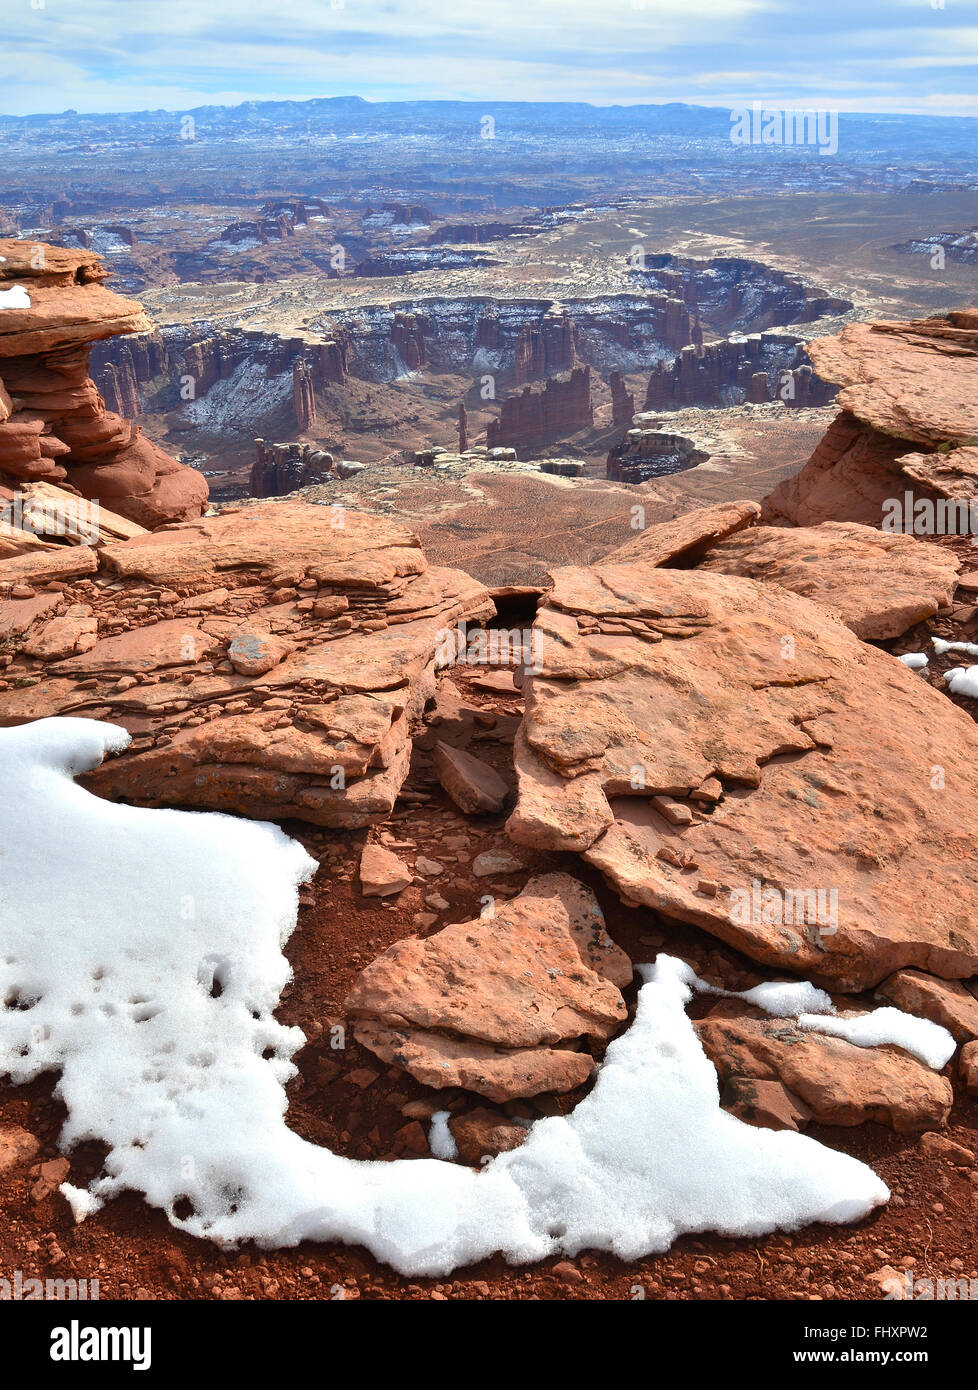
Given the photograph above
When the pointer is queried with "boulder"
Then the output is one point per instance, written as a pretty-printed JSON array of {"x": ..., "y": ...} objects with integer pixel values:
[
  {"x": 255, "y": 653},
  {"x": 684, "y": 540},
  {"x": 838, "y": 1082},
  {"x": 473, "y": 785},
  {"x": 483, "y": 1133},
  {"x": 495, "y": 682},
  {"x": 382, "y": 873},
  {"x": 45, "y": 566},
  {"x": 940, "y": 1146},
  {"x": 499, "y": 1005},
  {"x": 18, "y": 1148},
  {"x": 766, "y": 1104},
  {"x": 76, "y": 632},
  {"x": 658, "y": 682},
  {"x": 880, "y": 584},
  {"x": 498, "y": 1073},
  {"x": 951, "y": 474}
]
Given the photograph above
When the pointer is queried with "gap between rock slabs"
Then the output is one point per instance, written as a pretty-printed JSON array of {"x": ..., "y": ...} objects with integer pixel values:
[{"x": 185, "y": 1085}]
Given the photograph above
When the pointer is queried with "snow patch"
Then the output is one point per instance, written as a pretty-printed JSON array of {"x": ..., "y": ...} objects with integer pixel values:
[
  {"x": 781, "y": 998},
  {"x": 940, "y": 647},
  {"x": 141, "y": 956},
  {"x": 929, "y": 1042},
  {"x": 441, "y": 1141},
  {"x": 963, "y": 680},
  {"x": 247, "y": 395},
  {"x": 15, "y": 298}
]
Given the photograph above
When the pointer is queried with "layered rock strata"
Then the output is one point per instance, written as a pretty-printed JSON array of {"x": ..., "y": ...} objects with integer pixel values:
[
  {"x": 270, "y": 661},
  {"x": 906, "y": 431},
  {"x": 54, "y": 425}
]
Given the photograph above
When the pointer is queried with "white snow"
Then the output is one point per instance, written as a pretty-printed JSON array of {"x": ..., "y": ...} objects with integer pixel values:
[
  {"x": 813, "y": 1010},
  {"x": 940, "y": 647},
  {"x": 788, "y": 999},
  {"x": 441, "y": 1141},
  {"x": 929, "y": 1042},
  {"x": 781, "y": 998},
  {"x": 15, "y": 298},
  {"x": 246, "y": 396},
  {"x": 915, "y": 660},
  {"x": 963, "y": 680},
  {"x": 141, "y": 957}
]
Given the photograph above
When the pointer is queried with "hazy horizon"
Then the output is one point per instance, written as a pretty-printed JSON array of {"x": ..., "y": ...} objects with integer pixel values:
[
  {"x": 479, "y": 102},
  {"x": 914, "y": 57}
]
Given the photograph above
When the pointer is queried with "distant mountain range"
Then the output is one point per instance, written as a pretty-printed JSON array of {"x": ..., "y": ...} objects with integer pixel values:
[{"x": 872, "y": 135}]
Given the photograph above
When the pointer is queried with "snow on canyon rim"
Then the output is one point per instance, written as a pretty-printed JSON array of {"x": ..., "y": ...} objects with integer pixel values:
[{"x": 117, "y": 924}]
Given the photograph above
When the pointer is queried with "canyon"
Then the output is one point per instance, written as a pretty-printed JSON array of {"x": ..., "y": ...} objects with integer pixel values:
[{"x": 351, "y": 357}]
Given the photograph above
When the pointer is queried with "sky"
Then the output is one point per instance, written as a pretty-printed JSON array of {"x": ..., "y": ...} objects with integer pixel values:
[{"x": 852, "y": 55}]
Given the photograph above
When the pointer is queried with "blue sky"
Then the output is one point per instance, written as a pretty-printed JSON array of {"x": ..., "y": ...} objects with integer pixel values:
[{"x": 125, "y": 55}]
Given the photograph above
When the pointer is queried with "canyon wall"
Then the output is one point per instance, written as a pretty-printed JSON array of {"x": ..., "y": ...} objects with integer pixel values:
[
  {"x": 754, "y": 367},
  {"x": 499, "y": 343},
  {"x": 178, "y": 364},
  {"x": 559, "y": 408},
  {"x": 735, "y": 295}
]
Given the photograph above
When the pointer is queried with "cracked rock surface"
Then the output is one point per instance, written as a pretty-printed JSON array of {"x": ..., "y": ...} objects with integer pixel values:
[{"x": 661, "y": 683}]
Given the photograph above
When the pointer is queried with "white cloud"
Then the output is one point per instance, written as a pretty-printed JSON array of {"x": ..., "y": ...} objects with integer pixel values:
[{"x": 95, "y": 55}]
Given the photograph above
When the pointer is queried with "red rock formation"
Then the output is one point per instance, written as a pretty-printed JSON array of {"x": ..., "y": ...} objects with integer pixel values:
[
  {"x": 660, "y": 690},
  {"x": 347, "y": 624},
  {"x": 622, "y": 401},
  {"x": 282, "y": 468},
  {"x": 910, "y": 395},
  {"x": 303, "y": 396},
  {"x": 543, "y": 349},
  {"x": 54, "y": 425},
  {"x": 408, "y": 336},
  {"x": 561, "y": 408}
]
